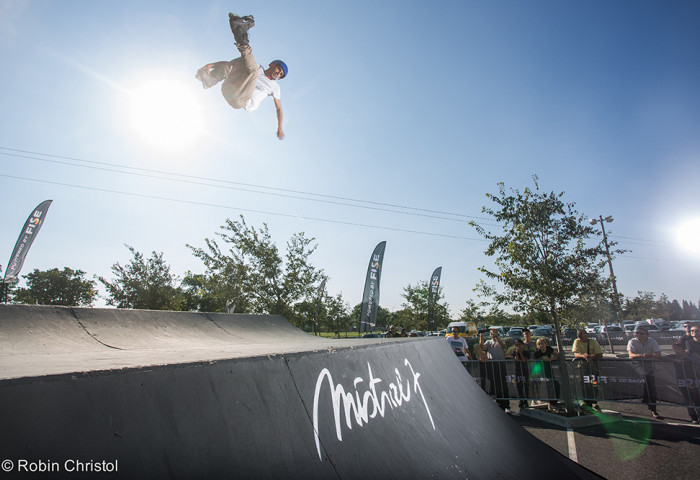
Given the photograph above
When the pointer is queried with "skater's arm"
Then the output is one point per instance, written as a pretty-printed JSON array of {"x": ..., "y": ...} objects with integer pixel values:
[{"x": 278, "y": 106}]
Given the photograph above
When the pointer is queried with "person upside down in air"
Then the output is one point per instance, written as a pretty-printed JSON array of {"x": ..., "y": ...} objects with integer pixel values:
[{"x": 245, "y": 83}]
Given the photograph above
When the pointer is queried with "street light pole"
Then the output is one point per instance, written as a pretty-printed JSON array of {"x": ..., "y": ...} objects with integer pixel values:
[{"x": 616, "y": 300}]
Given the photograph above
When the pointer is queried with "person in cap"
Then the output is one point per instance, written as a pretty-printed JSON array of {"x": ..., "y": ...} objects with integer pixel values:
[{"x": 245, "y": 83}]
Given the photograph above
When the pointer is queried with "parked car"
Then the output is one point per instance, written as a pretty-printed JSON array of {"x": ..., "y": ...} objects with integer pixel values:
[
  {"x": 466, "y": 329},
  {"x": 546, "y": 332},
  {"x": 610, "y": 328},
  {"x": 501, "y": 331},
  {"x": 370, "y": 335},
  {"x": 515, "y": 333},
  {"x": 569, "y": 333},
  {"x": 590, "y": 328}
]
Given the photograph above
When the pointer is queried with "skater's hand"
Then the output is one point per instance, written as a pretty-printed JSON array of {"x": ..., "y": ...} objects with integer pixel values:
[{"x": 280, "y": 134}]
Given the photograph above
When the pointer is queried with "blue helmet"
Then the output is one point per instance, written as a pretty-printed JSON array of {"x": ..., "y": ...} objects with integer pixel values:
[{"x": 281, "y": 64}]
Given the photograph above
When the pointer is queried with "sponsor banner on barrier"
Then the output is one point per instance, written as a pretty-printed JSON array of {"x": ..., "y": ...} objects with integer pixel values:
[{"x": 674, "y": 379}]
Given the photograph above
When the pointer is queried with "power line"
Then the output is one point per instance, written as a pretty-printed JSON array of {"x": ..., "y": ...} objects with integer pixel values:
[
  {"x": 190, "y": 202},
  {"x": 193, "y": 179},
  {"x": 285, "y": 193}
]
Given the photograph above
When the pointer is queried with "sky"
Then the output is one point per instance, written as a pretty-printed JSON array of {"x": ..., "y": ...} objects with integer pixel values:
[{"x": 399, "y": 118}]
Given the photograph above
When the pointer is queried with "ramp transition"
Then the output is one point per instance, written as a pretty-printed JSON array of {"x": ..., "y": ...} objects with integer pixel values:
[{"x": 255, "y": 405}]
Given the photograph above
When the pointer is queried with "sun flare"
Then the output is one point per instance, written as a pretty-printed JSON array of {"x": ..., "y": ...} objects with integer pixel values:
[
  {"x": 166, "y": 115},
  {"x": 688, "y": 235}
]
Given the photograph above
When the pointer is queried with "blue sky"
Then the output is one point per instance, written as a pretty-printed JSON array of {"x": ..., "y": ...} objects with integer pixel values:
[{"x": 425, "y": 106}]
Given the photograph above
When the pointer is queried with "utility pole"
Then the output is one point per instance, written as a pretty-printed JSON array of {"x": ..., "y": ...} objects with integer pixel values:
[{"x": 616, "y": 300}]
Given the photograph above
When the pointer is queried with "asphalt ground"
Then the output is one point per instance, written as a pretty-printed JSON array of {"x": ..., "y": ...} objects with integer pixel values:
[{"x": 637, "y": 448}]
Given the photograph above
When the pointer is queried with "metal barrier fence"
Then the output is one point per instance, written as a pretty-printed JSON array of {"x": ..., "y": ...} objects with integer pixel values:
[
  {"x": 672, "y": 381},
  {"x": 662, "y": 337}
]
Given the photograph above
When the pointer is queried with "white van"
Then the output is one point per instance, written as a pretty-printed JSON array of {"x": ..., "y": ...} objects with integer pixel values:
[{"x": 466, "y": 329}]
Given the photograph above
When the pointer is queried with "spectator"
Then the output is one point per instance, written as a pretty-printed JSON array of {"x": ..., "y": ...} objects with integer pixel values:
[
  {"x": 587, "y": 352},
  {"x": 687, "y": 337},
  {"x": 392, "y": 332},
  {"x": 404, "y": 333},
  {"x": 693, "y": 345},
  {"x": 522, "y": 373},
  {"x": 495, "y": 370},
  {"x": 529, "y": 349},
  {"x": 481, "y": 356},
  {"x": 546, "y": 355},
  {"x": 645, "y": 350},
  {"x": 686, "y": 376},
  {"x": 529, "y": 345},
  {"x": 459, "y": 346}
]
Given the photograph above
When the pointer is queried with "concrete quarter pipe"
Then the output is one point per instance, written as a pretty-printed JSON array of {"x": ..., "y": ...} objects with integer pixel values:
[{"x": 184, "y": 395}]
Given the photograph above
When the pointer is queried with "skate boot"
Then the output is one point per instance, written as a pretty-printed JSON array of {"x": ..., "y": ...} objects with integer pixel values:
[{"x": 239, "y": 28}]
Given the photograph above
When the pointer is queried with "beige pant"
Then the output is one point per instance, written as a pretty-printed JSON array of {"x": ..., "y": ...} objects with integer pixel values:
[{"x": 241, "y": 75}]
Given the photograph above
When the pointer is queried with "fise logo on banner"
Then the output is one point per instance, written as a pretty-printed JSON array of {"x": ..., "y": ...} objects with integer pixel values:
[
  {"x": 33, "y": 222},
  {"x": 375, "y": 267}
]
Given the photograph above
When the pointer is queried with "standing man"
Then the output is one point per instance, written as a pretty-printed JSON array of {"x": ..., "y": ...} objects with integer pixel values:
[
  {"x": 459, "y": 346},
  {"x": 587, "y": 352},
  {"x": 688, "y": 337},
  {"x": 496, "y": 369},
  {"x": 529, "y": 349},
  {"x": 522, "y": 372},
  {"x": 645, "y": 349},
  {"x": 693, "y": 346},
  {"x": 246, "y": 83}
]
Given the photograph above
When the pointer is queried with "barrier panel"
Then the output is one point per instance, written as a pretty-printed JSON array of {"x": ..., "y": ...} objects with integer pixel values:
[{"x": 668, "y": 380}]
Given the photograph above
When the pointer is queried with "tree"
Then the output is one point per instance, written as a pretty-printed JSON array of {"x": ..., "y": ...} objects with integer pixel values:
[
  {"x": 542, "y": 259},
  {"x": 144, "y": 284},
  {"x": 257, "y": 277},
  {"x": 416, "y": 307},
  {"x": 645, "y": 306},
  {"x": 56, "y": 287},
  {"x": 212, "y": 293},
  {"x": 332, "y": 313},
  {"x": 384, "y": 317},
  {"x": 590, "y": 307}
]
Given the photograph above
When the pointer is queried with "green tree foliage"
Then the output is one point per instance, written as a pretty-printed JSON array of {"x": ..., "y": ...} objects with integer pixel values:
[
  {"x": 472, "y": 312},
  {"x": 542, "y": 257},
  {"x": 415, "y": 308},
  {"x": 384, "y": 317},
  {"x": 645, "y": 305},
  {"x": 56, "y": 287},
  {"x": 330, "y": 313},
  {"x": 591, "y": 307},
  {"x": 144, "y": 284},
  {"x": 209, "y": 292},
  {"x": 254, "y": 274}
]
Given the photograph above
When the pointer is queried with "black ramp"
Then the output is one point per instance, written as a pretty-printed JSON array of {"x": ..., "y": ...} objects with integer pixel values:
[
  {"x": 231, "y": 419},
  {"x": 188, "y": 395},
  {"x": 434, "y": 422}
]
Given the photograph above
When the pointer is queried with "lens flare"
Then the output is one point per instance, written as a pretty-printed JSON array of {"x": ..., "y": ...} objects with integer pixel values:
[{"x": 688, "y": 236}]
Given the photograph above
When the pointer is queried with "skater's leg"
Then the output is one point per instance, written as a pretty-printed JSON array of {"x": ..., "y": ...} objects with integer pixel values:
[
  {"x": 212, "y": 73},
  {"x": 241, "y": 78}
]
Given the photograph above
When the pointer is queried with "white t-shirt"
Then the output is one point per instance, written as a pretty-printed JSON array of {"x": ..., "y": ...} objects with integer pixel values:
[
  {"x": 264, "y": 87},
  {"x": 495, "y": 351},
  {"x": 459, "y": 346},
  {"x": 637, "y": 347}
]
